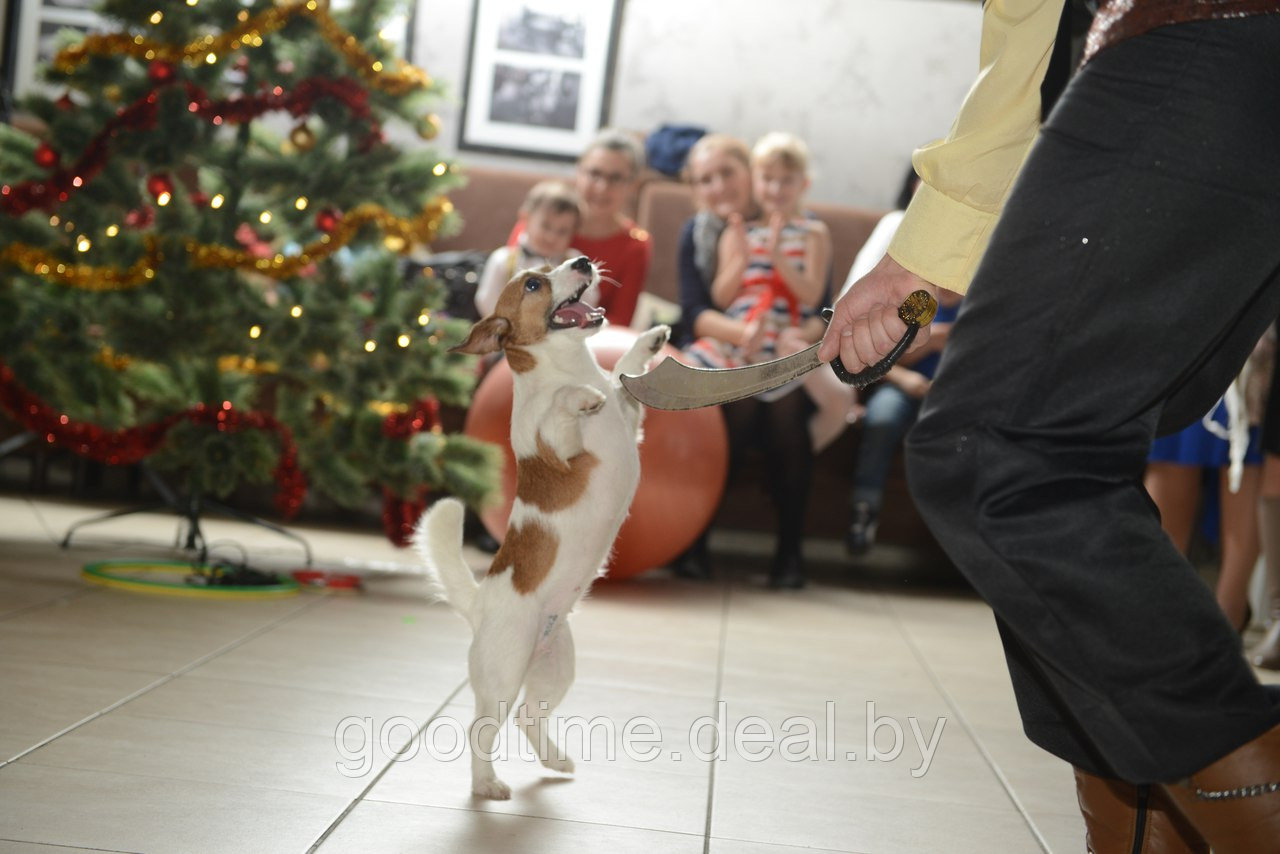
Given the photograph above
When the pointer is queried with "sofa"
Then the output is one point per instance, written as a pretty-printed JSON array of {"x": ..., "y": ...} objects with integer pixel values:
[{"x": 488, "y": 205}]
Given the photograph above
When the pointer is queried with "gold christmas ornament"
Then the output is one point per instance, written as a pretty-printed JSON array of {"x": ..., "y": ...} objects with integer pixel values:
[
  {"x": 302, "y": 137},
  {"x": 429, "y": 126}
]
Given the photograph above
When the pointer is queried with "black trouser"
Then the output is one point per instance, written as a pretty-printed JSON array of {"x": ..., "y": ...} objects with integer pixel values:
[
  {"x": 780, "y": 429},
  {"x": 1132, "y": 271}
]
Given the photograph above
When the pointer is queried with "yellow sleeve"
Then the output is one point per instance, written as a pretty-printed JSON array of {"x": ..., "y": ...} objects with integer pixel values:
[{"x": 966, "y": 176}]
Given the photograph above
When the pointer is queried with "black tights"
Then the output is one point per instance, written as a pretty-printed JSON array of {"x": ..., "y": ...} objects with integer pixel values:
[{"x": 781, "y": 430}]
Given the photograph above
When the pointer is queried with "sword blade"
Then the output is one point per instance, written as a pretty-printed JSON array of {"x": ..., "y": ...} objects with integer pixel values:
[{"x": 675, "y": 385}]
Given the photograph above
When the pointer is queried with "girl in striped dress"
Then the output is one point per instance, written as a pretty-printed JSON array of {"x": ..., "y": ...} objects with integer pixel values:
[{"x": 772, "y": 271}]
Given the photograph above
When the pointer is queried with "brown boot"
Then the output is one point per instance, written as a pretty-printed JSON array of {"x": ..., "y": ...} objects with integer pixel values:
[
  {"x": 1121, "y": 818},
  {"x": 1235, "y": 802}
]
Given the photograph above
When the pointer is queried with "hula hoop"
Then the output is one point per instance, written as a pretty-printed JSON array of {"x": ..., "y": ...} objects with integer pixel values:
[{"x": 106, "y": 574}]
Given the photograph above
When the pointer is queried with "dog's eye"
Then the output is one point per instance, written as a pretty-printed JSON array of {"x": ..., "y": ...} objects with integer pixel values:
[{"x": 532, "y": 283}]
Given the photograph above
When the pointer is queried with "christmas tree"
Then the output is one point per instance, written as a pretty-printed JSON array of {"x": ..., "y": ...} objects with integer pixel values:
[{"x": 200, "y": 258}]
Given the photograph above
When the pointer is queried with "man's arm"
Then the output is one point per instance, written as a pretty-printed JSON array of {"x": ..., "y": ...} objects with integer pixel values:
[{"x": 967, "y": 176}]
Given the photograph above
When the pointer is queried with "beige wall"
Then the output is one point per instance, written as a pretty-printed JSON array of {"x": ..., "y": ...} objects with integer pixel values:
[{"x": 864, "y": 81}]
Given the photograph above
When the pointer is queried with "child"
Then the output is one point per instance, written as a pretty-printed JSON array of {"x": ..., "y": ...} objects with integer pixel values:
[
  {"x": 551, "y": 214},
  {"x": 772, "y": 272}
]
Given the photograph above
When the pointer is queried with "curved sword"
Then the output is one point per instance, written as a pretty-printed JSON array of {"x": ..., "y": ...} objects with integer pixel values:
[{"x": 674, "y": 385}]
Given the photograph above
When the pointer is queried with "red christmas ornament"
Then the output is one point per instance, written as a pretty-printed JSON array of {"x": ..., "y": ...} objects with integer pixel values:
[
  {"x": 327, "y": 219},
  {"x": 161, "y": 72},
  {"x": 158, "y": 184},
  {"x": 46, "y": 157},
  {"x": 140, "y": 217}
]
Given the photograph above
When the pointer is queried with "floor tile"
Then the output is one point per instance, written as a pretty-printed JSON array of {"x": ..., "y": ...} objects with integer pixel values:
[
  {"x": 812, "y": 815},
  {"x": 202, "y": 753},
  {"x": 277, "y": 708},
  {"x": 599, "y": 791},
  {"x": 91, "y": 809},
  {"x": 389, "y": 828},
  {"x": 40, "y": 699}
]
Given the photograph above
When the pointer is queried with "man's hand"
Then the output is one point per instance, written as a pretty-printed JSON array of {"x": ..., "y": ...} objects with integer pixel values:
[{"x": 865, "y": 326}]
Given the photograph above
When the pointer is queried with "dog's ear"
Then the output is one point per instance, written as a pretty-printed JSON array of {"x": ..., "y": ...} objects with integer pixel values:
[{"x": 486, "y": 336}]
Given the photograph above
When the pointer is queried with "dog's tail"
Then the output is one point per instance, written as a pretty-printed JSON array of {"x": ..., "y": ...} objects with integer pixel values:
[{"x": 438, "y": 539}]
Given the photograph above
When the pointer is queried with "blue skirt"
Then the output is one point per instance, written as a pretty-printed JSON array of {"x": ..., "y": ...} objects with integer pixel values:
[{"x": 1196, "y": 446}]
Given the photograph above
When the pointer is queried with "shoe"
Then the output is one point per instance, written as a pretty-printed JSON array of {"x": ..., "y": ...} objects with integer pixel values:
[
  {"x": 862, "y": 533},
  {"x": 1121, "y": 818},
  {"x": 1267, "y": 654},
  {"x": 1234, "y": 803},
  {"x": 787, "y": 573},
  {"x": 694, "y": 564}
]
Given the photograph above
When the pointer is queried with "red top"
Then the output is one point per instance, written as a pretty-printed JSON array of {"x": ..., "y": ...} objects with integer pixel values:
[{"x": 624, "y": 257}]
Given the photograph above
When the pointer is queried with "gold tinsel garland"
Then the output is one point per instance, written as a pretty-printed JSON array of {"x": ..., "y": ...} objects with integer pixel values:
[
  {"x": 84, "y": 276},
  {"x": 419, "y": 229},
  {"x": 403, "y": 80}
]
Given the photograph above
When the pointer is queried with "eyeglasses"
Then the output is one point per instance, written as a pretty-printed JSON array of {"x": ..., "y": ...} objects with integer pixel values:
[{"x": 609, "y": 179}]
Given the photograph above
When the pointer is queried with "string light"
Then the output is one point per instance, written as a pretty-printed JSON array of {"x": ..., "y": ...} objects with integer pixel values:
[
  {"x": 211, "y": 58},
  {"x": 54, "y": 221},
  {"x": 113, "y": 230},
  {"x": 83, "y": 244},
  {"x": 301, "y": 203},
  {"x": 393, "y": 242},
  {"x": 440, "y": 169},
  {"x": 264, "y": 217},
  {"x": 296, "y": 311},
  {"x": 163, "y": 199},
  {"x": 403, "y": 340},
  {"x": 216, "y": 201},
  {"x": 424, "y": 319},
  {"x": 255, "y": 331},
  {"x": 157, "y": 16},
  {"x": 370, "y": 346},
  {"x": 192, "y": 2}
]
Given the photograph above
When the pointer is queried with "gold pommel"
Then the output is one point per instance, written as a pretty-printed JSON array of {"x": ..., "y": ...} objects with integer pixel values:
[{"x": 919, "y": 309}]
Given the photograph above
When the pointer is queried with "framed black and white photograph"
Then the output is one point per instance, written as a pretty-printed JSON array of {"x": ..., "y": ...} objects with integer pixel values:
[
  {"x": 539, "y": 75},
  {"x": 42, "y": 28}
]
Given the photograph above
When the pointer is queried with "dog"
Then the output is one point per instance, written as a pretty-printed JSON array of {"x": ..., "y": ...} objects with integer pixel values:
[{"x": 575, "y": 433}]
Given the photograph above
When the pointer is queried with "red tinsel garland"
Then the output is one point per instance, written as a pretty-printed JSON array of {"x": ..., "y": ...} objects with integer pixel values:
[
  {"x": 130, "y": 445},
  {"x": 400, "y": 515},
  {"x": 422, "y": 415},
  {"x": 17, "y": 199}
]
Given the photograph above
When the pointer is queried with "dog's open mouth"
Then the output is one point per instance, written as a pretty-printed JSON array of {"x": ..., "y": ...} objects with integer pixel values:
[{"x": 573, "y": 313}]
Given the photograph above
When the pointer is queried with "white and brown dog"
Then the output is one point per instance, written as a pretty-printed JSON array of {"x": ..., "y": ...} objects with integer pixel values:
[{"x": 575, "y": 432}]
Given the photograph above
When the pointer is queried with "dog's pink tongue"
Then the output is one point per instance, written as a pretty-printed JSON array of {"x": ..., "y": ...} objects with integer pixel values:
[{"x": 578, "y": 314}]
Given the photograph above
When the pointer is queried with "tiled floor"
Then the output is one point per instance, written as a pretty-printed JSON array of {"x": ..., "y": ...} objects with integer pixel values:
[{"x": 329, "y": 722}]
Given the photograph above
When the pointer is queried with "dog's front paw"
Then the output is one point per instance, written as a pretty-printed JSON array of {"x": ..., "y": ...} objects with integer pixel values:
[
  {"x": 563, "y": 765},
  {"x": 493, "y": 789},
  {"x": 655, "y": 338},
  {"x": 589, "y": 399}
]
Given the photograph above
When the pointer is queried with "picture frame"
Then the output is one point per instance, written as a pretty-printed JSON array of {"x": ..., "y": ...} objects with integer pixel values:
[
  {"x": 35, "y": 37},
  {"x": 539, "y": 76}
]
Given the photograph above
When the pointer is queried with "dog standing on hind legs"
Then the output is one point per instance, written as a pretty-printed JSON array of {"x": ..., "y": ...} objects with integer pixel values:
[{"x": 575, "y": 433}]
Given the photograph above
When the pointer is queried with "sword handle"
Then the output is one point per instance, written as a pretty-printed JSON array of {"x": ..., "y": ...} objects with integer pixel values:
[{"x": 916, "y": 310}]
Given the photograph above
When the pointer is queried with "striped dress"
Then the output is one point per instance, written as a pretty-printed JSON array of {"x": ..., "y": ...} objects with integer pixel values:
[{"x": 764, "y": 296}]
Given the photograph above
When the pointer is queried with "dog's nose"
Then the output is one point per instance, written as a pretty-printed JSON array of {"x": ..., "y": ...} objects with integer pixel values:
[{"x": 582, "y": 264}]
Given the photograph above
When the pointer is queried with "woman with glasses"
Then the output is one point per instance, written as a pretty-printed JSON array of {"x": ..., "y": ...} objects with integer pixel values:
[{"x": 606, "y": 180}]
